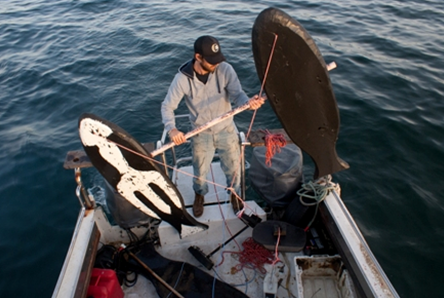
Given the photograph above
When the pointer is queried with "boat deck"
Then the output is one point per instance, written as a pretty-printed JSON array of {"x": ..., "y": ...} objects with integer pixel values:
[
  {"x": 223, "y": 223},
  {"x": 296, "y": 275}
]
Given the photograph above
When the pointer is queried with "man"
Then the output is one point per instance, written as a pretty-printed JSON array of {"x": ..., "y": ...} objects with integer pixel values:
[{"x": 208, "y": 84}]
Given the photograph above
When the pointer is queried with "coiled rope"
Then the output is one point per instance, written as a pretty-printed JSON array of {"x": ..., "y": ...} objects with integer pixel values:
[
  {"x": 254, "y": 256},
  {"x": 316, "y": 191}
]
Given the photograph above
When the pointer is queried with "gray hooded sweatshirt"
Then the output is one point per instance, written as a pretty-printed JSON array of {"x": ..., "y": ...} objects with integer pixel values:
[{"x": 204, "y": 101}]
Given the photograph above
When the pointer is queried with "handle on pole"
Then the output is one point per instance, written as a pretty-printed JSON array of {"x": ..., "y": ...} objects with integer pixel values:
[{"x": 203, "y": 127}]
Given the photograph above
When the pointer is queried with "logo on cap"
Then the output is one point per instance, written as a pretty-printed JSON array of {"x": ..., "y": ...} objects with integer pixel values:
[{"x": 215, "y": 48}]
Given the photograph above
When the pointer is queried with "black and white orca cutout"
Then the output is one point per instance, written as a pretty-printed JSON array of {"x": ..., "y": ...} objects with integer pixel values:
[{"x": 133, "y": 176}]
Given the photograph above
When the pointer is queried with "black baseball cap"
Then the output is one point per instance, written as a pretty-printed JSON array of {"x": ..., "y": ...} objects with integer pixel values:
[{"x": 209, "y": 48}]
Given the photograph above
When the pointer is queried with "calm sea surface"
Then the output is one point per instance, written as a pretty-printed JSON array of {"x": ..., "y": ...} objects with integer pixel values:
[{"x": 116, "y": 59}]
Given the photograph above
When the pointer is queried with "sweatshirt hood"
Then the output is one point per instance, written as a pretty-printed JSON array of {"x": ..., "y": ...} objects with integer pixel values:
[{"x": 187, "y": 69}]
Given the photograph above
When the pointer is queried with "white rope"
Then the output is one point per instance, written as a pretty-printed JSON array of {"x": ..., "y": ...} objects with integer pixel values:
[{"x": 316, "y": 191}]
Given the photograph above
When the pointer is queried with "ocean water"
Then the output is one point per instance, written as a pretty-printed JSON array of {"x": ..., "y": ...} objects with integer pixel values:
[{"x": 60, "y": 58}]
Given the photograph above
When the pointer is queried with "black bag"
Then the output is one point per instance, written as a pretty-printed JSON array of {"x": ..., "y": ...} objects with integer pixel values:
[{"x": 277, "y": 184}]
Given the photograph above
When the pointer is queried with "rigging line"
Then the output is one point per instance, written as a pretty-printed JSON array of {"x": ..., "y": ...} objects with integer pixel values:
[
  {"x": 260, "y": 95},
  {"x": 177, "y": 280},
  {"x": 276, "y": 252},
  {"x": 162, "y": 164},
  {"x": 220, "y": 209},
  {"x": 215, "y": 269},
  {"x": 264, "y": 80},
  {"x": 237, "y": 285},
  {"x": 218, "y": 201}
]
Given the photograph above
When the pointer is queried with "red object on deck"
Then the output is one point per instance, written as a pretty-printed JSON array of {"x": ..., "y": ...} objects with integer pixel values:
[{"x": 104, "y": 284}]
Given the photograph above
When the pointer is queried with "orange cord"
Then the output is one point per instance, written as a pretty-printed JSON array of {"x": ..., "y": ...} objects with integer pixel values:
[{"x": 273, "y": 145}]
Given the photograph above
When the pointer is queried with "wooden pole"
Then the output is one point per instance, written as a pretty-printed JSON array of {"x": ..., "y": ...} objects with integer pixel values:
[{"x": 154, "y": 273}]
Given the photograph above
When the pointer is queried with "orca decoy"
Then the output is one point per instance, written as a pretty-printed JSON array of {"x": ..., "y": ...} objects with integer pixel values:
[
  {"x": 129, "y": 169},
  {"x": 298, "y": 87}
]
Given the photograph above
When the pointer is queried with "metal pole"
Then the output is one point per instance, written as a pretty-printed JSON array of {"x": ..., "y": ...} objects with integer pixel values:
[
  {"x": 242, "y": 143},
  {"x": 90, "y": 204}
]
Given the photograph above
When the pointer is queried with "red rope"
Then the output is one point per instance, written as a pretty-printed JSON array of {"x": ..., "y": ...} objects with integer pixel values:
[
  {"x": 276, "y": 251},
  {"x": 254, "y": 256},
  {"x": 273, "y": 145},
  {"x": 263, "y": 81}
]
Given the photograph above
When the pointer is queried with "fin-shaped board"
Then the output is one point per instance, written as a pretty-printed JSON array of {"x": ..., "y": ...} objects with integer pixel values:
[
  {"x": 292, "y": 239},
  {"x": 122, "y": 162},
  {"x": 298, "y": 87}
]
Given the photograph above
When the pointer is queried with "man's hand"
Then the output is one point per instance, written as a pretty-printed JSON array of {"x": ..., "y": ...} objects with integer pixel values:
[
  {"x": 177, "y": 136},
  {"x": 256, "y": 102}
]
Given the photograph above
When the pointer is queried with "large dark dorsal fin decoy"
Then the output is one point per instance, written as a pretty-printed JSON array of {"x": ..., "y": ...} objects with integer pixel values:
[{"x": 298, "y": 87}]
